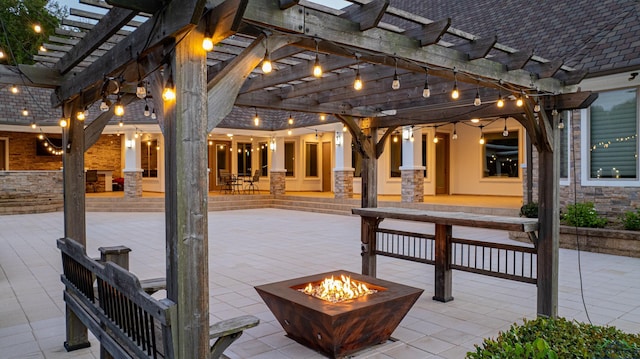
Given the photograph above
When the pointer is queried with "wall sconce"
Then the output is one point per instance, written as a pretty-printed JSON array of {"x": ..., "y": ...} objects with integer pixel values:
[
  {"x": 272, "y": 144},
  {"x": 339, "y": 138},
  {"x": 128, "y": 143},
  {"x": 407, "y": 133}
]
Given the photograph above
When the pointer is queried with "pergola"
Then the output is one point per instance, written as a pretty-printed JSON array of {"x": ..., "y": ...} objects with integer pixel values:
[{"x": 370, "y": 39}]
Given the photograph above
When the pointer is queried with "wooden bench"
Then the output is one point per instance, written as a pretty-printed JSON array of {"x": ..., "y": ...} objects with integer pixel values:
[{"x": 127, "y": 321}]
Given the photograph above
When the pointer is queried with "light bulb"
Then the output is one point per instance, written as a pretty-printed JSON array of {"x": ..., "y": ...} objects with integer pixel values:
[
  {"x": 121, "y": 124},
  {"x": 395, "y": 139},
  {"x": 41, "y": 137},
  {"x": 63, "y": 122},
  {"x": 289, "y": 132},
  {"x": 396, "y": 82},
  {"x": 477, "y": 101},
  {"x": 169, "y": 94},
  {"x": 207, "y": 43},
  {"x": 411, "y": 138},
  {"x": 290, "y": 120},
  {"x": 105, "y": 104},
  {"x": 482, "y": 140},
  {"x": 426, "y": 92},
  {"x": 357, "y": 84},
  {"x": 256, "y": 120},
  {"x": 519, "y": 101},
  {"x": 505, "y": 133},
  {"x": 25, "y": 112},
  {"x": 153, "y": 114},
  {"x": 37, "y": 28},
  {"x": 561, "y": 124},
  {"x": 536, "y": 107},
  {"x": 344, "y": 128},
  {"x": 136, "y": 135},
  {"x": 146, "y": 111},
  {"x": 435, "y": 140},
  {"x": 500, "y": 102},
  {"x": 554, "y": 112},
  {"x": 455, "y": 135},
  {"x": 323, "y": 117},
  {"x": 317, "y": 69},
  {"x": 33, "y": 125},
  {"x": 141, "y": 91},
  {"x": 80, "y": 116},
  {"x": 455, "y": 94},
  {"x": 42, "y": 48},
  {"x": 14, "y": 89},
  {"x": 267, "y": 67},
  {"x": 475, "y": 120},
  {"x": 118, "y": 109},
  {"x": 1, "y": 54}
]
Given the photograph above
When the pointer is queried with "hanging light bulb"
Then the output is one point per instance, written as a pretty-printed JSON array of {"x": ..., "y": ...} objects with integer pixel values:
[
  {"x": 207, "y": 42},
  {"x": 561, "y": 124},
  {"x": 42, "y": 48},
  {"x": 141, "y": 90},
  {"x": 41, "y": 137},
  {"x": 289, "y": 132},
  {"x": 33, "y": 125},
  {"x": 396, "y": 81},
  {"x": 505, "y": 132},
  {"x": 118, "y": 109},
  {"x": 519, "y": 101},
  {"x": 153, "y": 114},
  {"x": 411, "y": 138},
  {"x": 63, "y": 122},
  {"x": 435, "y": 139},
  {"x": 357, "y": 83},
  {"x": 455, "y": 94},
  {"x": 146, "y": 110},
  {"x": 536, "y": 107},
  {"x": 290, "y": 119},
  {"x": 395, "y": 138},
  {"x": 1, "y": 54},
  {"x": 344, "y": 128},
  {"x": 256, "y": 119},
  {"x": 477, "y": 101},
  {"x": 86, "y": 111},
  {"x": 323, "y": 117},
  {"x": 105, "y": 104},
  {"x": 37, "y": 28},
  {"x": 266, "y": 62},
  {"x": 481, "y": 136},
  {"x": 317, "y": 69},
  {"x": 426, "y": 92},
  {"x": 500, "y": 102},
  {"x": 14, "y": 89},
  {"x": 554, "y": 112},
  {"x": 169, "y": 92},
  {"x": 25, "y": 112},
  {"x": 80, "y": 116},
  {"x": 455, "y": 133},
  {"x": 121, "y": 124}
]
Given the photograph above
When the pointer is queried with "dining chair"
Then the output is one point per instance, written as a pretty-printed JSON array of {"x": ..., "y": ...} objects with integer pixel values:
[
  {"x": 226, "y": 180},
  {"x": 252, "y": 186}
]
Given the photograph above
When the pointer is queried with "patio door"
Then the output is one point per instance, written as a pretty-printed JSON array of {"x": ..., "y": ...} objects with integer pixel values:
[
  {"x": 219, "y": 159},
  {"x": 442, "y": 163}
]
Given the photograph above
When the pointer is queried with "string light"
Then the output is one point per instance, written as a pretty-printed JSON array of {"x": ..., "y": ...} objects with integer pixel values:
[
  {"x": 561, "y": 124},
  {"x": 63, "y": 122},
  {"x": 267, "y": 67},
  {"x": 80, "y": 116},
  {"x": 500, "y": 102},
  {"x": 207, "y": 42},
  {"x": 455, "y": 94},
  {"x": 289, "y": 132},
  {"x": 42, "y": 48},
  {"x": 146, "y": 110},
  {"x": 395, "y": 85},
  {"x": 121, "y": 124},
  {"x": 105, "y": 104},
  {"x": 426, "y": 92},
  {"x": 519, "y": 101},
  {"x": 169, "y": 92},
  {"x": 33, "y": 125},
  {"x": 153, "y": 114},
  {"x": 344, "y": 128},
  {"x": 477, "y": 101},
  {"x": 256, "y": 119},
  {"x": 25, "y": 112},
  {"x": 37, "y": 28},
  {"x": 505, "y": 132},
  {"x": 141, "y": 90},
  {"x": 455, "y": 133},
  {"x": 323, "y": 117},
  {"x": 118, "y": 109},
  {"x": 481, "y": 136},
  {"x": 14, "y": 89},
  {"x": 41, "y": 137},
  {"x": 357, "y": 83},
  {"x": 536, "y": 107},
  {"x": 317, "y": 69},
  {"x": 290, "y": 119},
  {"x": 395, "y": 138},
  {"x": 435, "y": 139}
]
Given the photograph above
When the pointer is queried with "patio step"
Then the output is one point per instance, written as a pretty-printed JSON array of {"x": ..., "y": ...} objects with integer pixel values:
[
  {"x": 27, "y": 203},
  {"x": 317, "y": 205}
]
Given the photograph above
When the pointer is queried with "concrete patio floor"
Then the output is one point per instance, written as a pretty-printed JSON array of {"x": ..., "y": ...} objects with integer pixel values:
[{"x": 252, "y": 247}]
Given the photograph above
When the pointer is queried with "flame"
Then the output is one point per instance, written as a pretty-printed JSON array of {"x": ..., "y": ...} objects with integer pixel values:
[{"x": 338, "y": 290}]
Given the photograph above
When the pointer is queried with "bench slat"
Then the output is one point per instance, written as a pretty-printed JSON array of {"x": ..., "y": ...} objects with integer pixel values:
[{"x": 233, "y": 325}]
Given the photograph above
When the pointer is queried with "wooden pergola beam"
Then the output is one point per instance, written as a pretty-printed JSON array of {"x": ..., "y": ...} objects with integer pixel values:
[
  {"x": 367, "y": 15},
  {"x": 478, "y": 48},
  {"x": 148, "y": 6},
  {"x": 429, "y": 34},
  {"x": 29, "y": 75},
  {"x": 516, "y": 60},
  {"x": 225, "y": 20}
]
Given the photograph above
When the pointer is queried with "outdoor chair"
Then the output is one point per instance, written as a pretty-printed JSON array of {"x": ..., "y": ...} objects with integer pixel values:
[
  {"x": 226, "y": 181},
  {"x": 252, "y": 186},
  {"x": 91, "y": 179}
]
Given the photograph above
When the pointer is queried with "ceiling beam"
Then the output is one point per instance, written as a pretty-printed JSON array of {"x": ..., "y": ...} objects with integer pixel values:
[
  {"x": 225, "y": 20},
  {"x": 429, "y": 34},
  {"x": 477, "y": 49},
  {"x": 367, "y": 15},
  {"x": 29, "y": 75},
  {"x": 516, "y": 60}
]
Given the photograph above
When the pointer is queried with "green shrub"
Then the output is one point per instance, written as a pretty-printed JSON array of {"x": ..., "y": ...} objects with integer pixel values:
[
  {"x": 529, "y": 210},
  {"x": 559, "y": 338},
  {"x": 631, "y": 220},
  {"x": 583, "y": 215}
]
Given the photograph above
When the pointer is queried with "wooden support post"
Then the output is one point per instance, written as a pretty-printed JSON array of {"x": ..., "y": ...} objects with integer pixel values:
[
  {"x": 74, "y": 209},
  {"x": 368, "y": 245},
  {"x": 369, "y": 169},
  {"x": 186, "y": 198},
  {"x": 549, "y": 217},
  {"x": 443, "y": 263}
]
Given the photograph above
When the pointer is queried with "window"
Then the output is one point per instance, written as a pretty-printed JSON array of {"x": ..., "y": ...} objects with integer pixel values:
[
  {"x": 613, "y": 142},
  {"x": 289, "y": 158},
  {"x": 149, "y": 159},
  {"x": 501, "y": 155},
  {"x": 564, "y": 145},
  {"x": 311, "y": 160},
  {"x": 4, "y": 154},
  {"x": 356, "y": 161},
  {"x": 396, "y": 156},
  {"x": 263, "y": 147},
  {"x": 244, "y": 159},
  {"x": 424, "y": 154}
]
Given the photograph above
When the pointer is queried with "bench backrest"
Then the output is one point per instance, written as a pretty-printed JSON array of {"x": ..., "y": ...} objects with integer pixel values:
[{"x": 129, "y": 322}]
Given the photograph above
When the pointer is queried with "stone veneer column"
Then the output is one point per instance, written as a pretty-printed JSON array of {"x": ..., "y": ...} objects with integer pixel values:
[
  {"x": 277, "y": 182},
  {"x": 132, "y": 184},
  {"x": 412, "y": 185},
  {"x": 343, "y": 183}
]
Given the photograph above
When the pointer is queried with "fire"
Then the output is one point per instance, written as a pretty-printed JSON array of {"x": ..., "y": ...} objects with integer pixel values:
[{"x": 337, "y": 290}]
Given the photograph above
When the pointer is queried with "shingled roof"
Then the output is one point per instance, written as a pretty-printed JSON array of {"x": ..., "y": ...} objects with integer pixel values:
[{"x": 598, "y": 36}]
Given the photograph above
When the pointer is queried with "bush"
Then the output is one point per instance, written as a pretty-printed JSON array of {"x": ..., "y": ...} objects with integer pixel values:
[
  {"x": 583, "y": 215},
  {"x": 559, "y": 338},
  {"x": 529, "y": 210},
  {"x": 631, "y": 220}
]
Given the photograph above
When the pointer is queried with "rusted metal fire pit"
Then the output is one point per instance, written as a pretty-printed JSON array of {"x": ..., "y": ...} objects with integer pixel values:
[{"x": 338, "y": 329}]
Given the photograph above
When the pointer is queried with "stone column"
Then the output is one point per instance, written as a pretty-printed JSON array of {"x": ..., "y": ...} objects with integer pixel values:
[
  {"x": 278, "y": 173},
  {"x": 342, "y": 172},
  {"x": 412, "y": 171},
  {"x": 132, "y": 171}
]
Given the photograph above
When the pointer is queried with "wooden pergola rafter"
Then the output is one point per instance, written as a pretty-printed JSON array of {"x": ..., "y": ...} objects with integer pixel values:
[{"x": 209, "y": 85}]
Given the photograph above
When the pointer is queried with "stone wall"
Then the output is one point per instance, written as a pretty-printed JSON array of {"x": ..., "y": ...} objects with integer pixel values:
[
  {"x": 611, "y": 202},
  {"x": 412, "y": 186},
  {"x": 133, "y": 184},
  {"x": 343, "y": 184},
  {"x": 20, "y": 183},
  {"x": 277, "y": 182}
]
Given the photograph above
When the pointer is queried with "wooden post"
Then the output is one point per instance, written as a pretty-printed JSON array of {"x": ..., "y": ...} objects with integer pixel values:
[
  {"x": 549, "y": 231},
  {"x": 74, "y": 209},
  {"x": 369, "y": 170},
  {"x": 443, "y": 263},
  {"x": 368, "y": 245},
  {"x": 120, "y": 256},
  {"x": 186, "y": 198}
]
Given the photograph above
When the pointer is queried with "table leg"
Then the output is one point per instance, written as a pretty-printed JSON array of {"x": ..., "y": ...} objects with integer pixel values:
[{"x": 443, "y": 263}]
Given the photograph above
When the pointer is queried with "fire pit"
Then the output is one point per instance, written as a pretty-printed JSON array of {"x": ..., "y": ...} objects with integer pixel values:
[{"x": 340, "y": 328}]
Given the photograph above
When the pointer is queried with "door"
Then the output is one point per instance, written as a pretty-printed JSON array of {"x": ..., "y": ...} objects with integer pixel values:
[
  {"x": 219, "y": 159},
  {"x": 442, "y": 163},
  {"x": 4, "y": 164},
  {"x": 326, "y": 166}
]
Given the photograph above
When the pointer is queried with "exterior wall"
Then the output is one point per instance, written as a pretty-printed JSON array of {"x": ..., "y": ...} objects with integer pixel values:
[
  {"x": 31, "y": 184},
  {"x": 343, "y": 184},
  {"x": 133, "y": 184},
  {"x": 412, "y": 186}
]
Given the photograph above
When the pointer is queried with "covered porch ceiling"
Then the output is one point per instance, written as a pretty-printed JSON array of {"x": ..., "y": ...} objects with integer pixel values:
[{"x": 370, "y": 38}]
